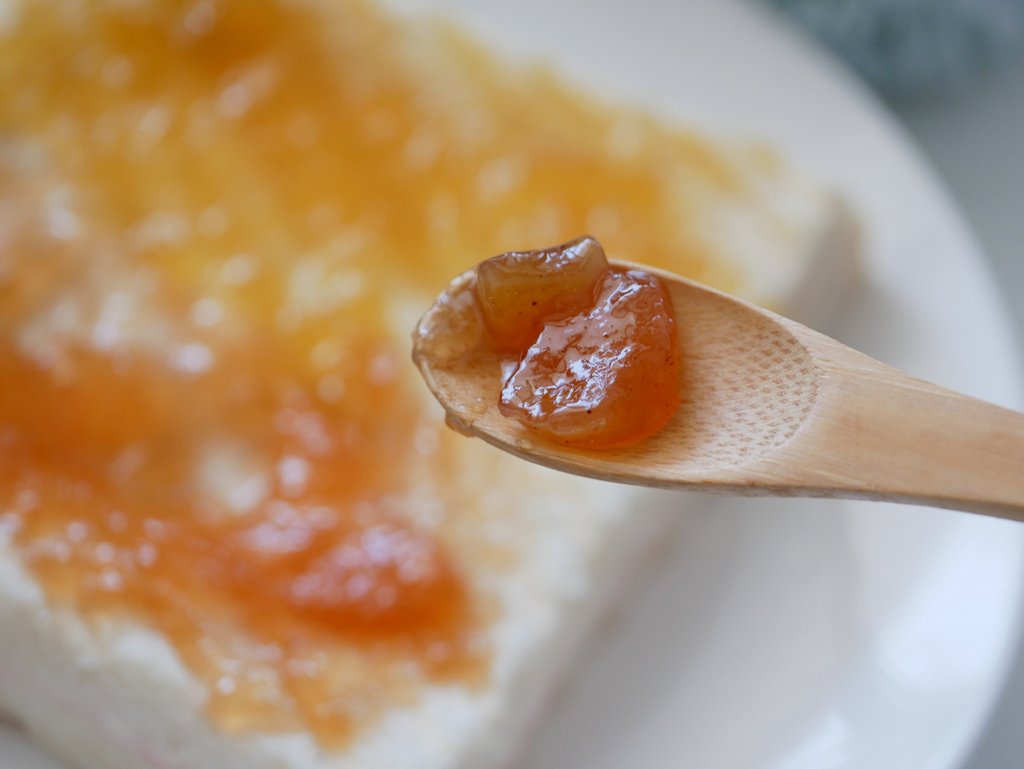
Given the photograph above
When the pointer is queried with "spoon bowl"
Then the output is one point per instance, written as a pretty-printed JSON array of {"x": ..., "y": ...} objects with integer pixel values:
[{"x": 767, "y": 407}]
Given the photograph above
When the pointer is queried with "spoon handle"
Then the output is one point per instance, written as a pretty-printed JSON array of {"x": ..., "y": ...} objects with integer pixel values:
[{"x": 881, "y": 434}]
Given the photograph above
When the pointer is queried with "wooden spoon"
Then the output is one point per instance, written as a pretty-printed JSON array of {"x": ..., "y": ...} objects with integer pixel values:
[{"x": 769, "y": 407}]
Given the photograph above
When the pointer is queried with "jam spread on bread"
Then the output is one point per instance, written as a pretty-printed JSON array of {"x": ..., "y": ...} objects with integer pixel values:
[{"x": 213, "y": 219}]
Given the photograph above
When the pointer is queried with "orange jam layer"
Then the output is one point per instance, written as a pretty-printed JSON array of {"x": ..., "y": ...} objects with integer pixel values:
[
  {"x": 214, "y": 216},
  {"x": 605, "y": 377}
]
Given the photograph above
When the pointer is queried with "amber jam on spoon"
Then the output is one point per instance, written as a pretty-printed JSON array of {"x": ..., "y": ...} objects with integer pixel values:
[{"x": 597, "y": 362}]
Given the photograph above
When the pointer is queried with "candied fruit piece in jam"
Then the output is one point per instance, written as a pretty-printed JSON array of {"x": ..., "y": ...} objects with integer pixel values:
[
  {"x": 520, "y": 290},
  {"x": 387, "y": 576},
  {"x": 607, "y": 376}
]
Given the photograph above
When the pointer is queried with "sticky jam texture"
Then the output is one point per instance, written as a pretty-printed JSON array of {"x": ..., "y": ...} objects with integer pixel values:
[
  {"x": 520, "y": 290},
  {"x": 600, "y": 366},
  {"x": 212, "y": 217}
]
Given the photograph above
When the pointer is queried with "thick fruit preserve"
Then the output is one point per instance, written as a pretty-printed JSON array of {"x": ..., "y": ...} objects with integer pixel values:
[
  {"x": 598, "y": 363},
  {"x": 214, "y": 219}
]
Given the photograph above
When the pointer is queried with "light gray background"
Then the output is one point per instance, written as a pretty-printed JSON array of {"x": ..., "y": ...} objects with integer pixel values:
[{"x": 975, "y": 139}]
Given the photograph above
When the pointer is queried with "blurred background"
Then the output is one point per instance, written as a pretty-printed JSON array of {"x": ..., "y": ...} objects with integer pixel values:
[{"x": 953, "y": 72}]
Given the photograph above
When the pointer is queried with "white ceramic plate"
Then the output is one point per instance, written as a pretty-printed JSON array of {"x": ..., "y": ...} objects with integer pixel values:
[{"x": 790, "y": 634}]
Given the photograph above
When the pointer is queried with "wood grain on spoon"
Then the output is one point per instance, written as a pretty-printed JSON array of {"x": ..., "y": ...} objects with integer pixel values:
[{"x": 768, "y": 407}]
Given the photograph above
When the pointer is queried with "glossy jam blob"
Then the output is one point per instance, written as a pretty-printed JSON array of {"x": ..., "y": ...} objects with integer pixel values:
[
  {"x": 605, "y": 376},
  {"x": 519, "y": 290},
  {"x": 372, "y": 579}
]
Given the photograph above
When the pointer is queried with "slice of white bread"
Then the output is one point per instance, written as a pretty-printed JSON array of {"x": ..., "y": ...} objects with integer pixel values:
[
  {"x": 113, "y": 694},
  {"x": 118, "y": 698}
]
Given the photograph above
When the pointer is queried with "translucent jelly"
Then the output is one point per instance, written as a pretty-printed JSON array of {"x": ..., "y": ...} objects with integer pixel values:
[
  {"x": 598, "y": 363},
  {"x": 518, "y": 291}
]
